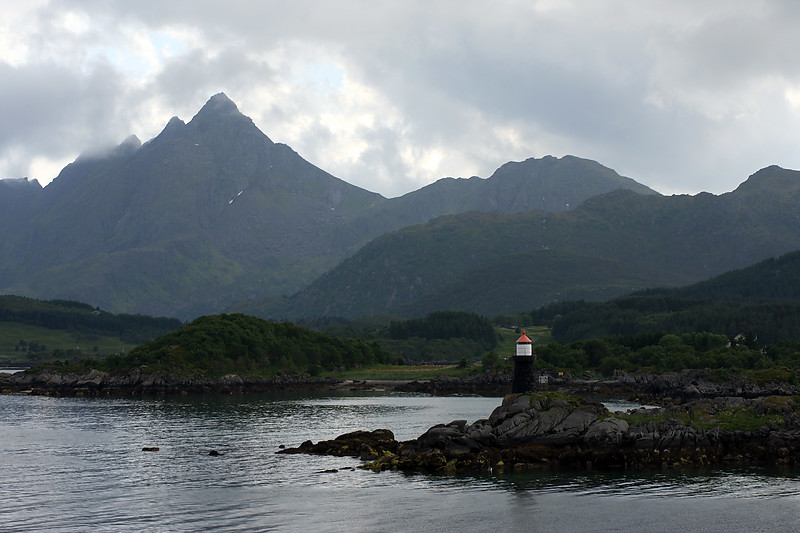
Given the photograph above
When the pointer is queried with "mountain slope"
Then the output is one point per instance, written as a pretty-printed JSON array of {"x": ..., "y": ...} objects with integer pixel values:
[
  {"x": 547, "y": 183},
  {"x": 16, "y": 196},
  {"x": 215, "y": 177},
  {"x": 612, "y": 244},
  {"x": 212, "y": 212},
  {"x": 155, "y": 227}
]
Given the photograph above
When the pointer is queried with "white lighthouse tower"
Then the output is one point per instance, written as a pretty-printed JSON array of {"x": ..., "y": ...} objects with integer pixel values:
[{"x": 523, "y": 366}]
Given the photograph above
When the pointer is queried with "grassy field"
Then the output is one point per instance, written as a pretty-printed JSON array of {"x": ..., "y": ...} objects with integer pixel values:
[{"x": 11, "y": 333}]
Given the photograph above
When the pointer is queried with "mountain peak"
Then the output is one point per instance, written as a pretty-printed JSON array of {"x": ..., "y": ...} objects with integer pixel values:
[
  {"x": 174, "y": 128},
  {"x": 221, "y": 116},
  {"x": 174, "y": 122},
  {"x": 219, "y": 104},
  {"x": 772, "y": 178},
  {"x": 128, "y": 146}
]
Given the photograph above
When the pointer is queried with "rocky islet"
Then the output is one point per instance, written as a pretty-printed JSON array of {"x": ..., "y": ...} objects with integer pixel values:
[{"x": 542, "y": 430}]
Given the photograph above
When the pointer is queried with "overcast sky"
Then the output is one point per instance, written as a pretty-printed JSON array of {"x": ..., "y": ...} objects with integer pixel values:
[{"x": 683, "y": 96}]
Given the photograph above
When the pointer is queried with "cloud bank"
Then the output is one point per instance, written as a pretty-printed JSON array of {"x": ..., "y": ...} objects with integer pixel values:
[{"x": 390, "y": 96}]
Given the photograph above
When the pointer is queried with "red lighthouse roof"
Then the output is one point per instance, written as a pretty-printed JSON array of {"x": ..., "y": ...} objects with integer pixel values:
[{"x": 524, "y": 339}]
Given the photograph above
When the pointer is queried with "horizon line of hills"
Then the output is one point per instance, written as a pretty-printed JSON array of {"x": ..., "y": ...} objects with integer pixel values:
[{"x": 211, "y": 216}]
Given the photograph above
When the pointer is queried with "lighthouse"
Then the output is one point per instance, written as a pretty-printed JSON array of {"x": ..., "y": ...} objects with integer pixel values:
[{"x": 523, "y": 366}]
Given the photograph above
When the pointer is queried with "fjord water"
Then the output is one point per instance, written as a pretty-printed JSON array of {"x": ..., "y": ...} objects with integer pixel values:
[{"x": 73, "y": 464}]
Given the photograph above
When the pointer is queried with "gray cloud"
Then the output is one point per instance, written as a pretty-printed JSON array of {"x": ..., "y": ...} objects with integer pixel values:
[
  {"x": 48, "y": 109},
  {"x": 390, "y": 96}
]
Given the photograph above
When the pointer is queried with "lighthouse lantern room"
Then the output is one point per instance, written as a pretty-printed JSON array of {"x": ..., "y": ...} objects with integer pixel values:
[{"x": 524, "y": 346}]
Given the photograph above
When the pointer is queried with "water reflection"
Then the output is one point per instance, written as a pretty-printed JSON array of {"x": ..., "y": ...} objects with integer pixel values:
[{"x": 758, "y": 483}]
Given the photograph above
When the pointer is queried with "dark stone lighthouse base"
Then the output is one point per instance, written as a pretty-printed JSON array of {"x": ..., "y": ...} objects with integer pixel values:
[{"x": 523, "y": 374}]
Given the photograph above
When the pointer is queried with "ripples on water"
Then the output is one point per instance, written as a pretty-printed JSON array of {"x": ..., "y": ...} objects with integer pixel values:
[{"x": 77, "y": 465}]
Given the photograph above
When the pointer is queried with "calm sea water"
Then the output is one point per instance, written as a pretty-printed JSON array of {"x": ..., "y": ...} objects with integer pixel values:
[{"x": 70, "y": 464}]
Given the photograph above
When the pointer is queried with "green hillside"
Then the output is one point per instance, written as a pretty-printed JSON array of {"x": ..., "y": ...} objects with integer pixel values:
[
  {"x": 761, "y": 302},
  {"x": 441, "y": 336},
  {"x": 34, "y": 331}
]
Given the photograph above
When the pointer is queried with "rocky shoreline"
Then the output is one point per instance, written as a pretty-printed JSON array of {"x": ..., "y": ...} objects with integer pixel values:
[
  {"x": 139, "y": 382},
  {"x": 50, "y": 382},
  {"x": 541, "y": 430},
  {"x": 643, "y": 386},
  {"x": 646, "y": 387}
]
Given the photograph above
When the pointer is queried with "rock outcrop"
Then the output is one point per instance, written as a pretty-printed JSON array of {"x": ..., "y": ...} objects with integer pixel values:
[
  {"x": 542, "y": 430},
  {"x": 694, "y": 384},
  {"x": 364, "y": 444}
]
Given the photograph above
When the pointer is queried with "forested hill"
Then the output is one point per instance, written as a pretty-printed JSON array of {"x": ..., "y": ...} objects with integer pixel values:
[
  {"x": 81, "y": 317},
  {"x": 771, "y": 279},
  {"x": 218, "y": 345},
  {"x": 446, "y": 325},
  {"x": 761, "y": 302}
]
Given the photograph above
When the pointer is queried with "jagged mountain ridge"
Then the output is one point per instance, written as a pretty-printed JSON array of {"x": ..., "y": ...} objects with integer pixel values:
[
  {"x": 549, "y": 183},
  {"x": 164, "y": 227},
  {"x": 212, "y": 211}
]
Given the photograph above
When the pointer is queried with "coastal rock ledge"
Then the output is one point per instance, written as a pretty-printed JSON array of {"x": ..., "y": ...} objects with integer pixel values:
[
  {"x": 549, "y": 430},
  {"x": 95, "y": 383}
]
